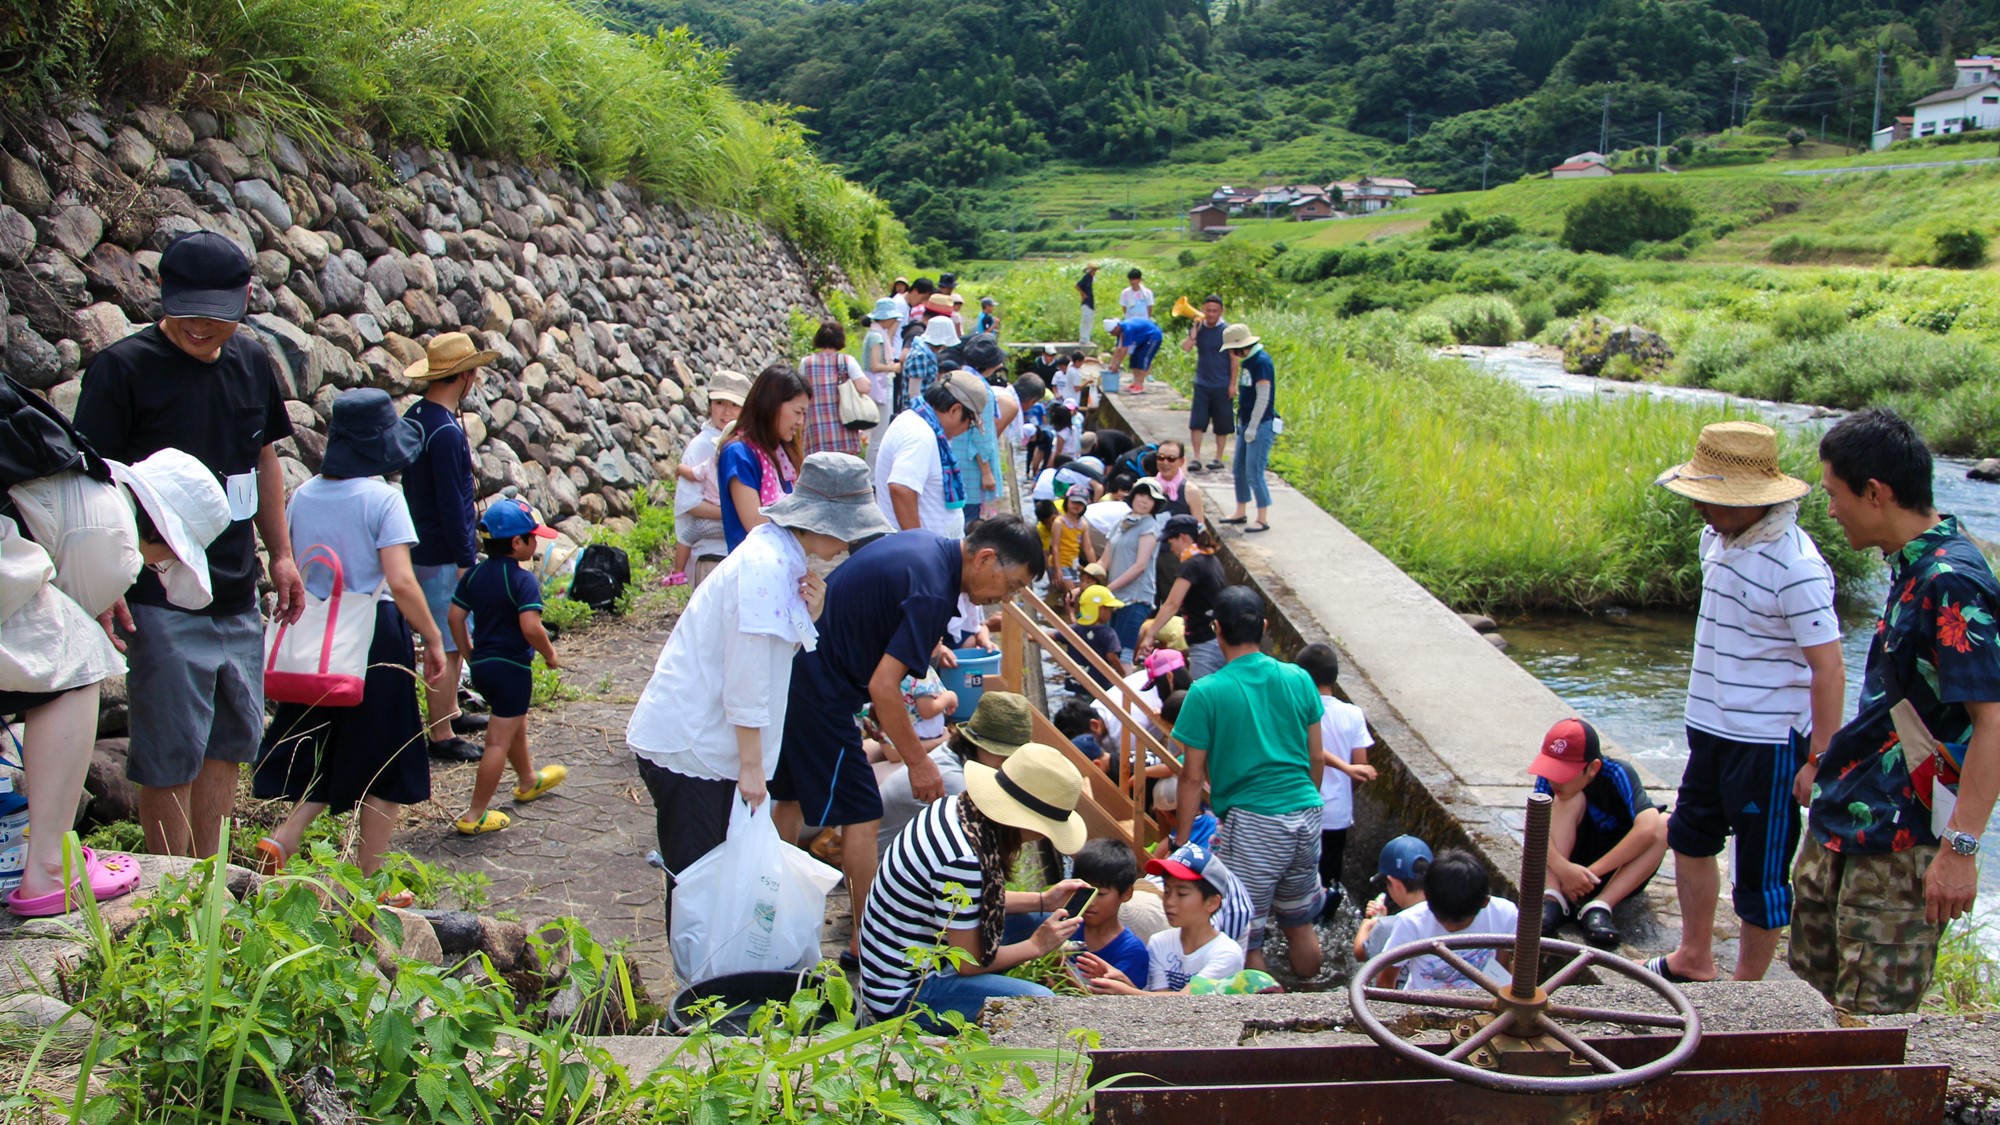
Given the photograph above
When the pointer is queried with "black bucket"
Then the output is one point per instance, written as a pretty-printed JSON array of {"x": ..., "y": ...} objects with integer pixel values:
[{"x": 742, "y": 994}]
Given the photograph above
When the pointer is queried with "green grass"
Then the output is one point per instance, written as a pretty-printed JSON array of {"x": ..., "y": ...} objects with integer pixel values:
[{"x": 542, "y": 80}]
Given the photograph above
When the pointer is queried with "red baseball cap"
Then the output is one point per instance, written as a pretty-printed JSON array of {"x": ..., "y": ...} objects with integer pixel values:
[{"x": 1569, "y": 746}]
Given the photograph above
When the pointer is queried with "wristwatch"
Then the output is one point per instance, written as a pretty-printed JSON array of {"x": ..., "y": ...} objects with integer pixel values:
[{"x": 1964, "y": 843}]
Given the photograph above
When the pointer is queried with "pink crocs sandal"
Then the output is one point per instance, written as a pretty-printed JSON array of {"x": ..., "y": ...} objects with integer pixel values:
[{"x": 110, "y": 877}]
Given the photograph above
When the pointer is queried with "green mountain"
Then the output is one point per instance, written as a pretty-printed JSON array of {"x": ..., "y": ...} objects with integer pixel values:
[{"x": 923, "y": 100}]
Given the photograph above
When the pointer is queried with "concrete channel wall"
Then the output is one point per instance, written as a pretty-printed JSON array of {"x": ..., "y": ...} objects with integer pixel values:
[{"x": 1456, "y": 722}]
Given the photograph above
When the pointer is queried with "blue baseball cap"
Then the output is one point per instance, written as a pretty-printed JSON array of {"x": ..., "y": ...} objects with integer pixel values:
[
  {"x": 509, "y": 517},
  {"x": 1191, "y": 862},
  {"x": 1400, "y": 857}
]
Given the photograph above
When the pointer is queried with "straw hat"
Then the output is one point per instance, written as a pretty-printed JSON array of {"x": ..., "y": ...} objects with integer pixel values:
[
  {"x": 1001, "y": 724},
  {"x": 1736, "y": 466},
  {"x": 1037, "y": 789},
  {"x": 834, "y": 495},
  {"x": 448, "y": 354},
  {"x": 1238, "y": 336}
]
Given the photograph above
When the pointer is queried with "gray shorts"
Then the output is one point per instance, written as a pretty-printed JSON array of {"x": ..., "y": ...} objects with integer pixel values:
[
  {"x": 704, "y": 537},
  {"x": 197, "y": 692},
  {"x": 439, "y": 584}
]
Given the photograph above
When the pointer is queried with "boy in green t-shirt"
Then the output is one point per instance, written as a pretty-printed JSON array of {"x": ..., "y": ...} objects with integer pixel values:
[{"x": 1252, "y": 733}]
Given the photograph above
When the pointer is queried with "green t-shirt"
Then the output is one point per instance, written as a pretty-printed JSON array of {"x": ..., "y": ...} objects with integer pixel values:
[{"x": 1252, "y": 718}]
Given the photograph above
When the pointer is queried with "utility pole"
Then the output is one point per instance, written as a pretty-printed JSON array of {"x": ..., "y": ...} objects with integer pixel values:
[
  {"x": 1822, "y": 128},
  {"x": 1881, "y": 57},
  {"x": 1409, "y": 125},
  {"x": 1659, "y": 138},
  {"x": 1484, "y": 162},
  {"x": 1734, "y": 87},
  {"x": 1604, "y": 128}
]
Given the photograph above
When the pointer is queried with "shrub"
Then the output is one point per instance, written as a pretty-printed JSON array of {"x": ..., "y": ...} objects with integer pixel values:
[
  {"x": 1535, "y": 316},
  {"x": 1235, "y": 270},
  {"x": 1808, "y": 317},
  {"x": 1186, "y": 259},
  {"x": 1430, "y": 330},
  {"x": 1617, "y": 215},
  {"x": 1450, "y": 219},
  {"x": 1485, "y": 277},
  {"x": 1478, "y": 319},
  {"x": 1954, "y": 247},
  {"x": 1792, "y": 249},
  {"x": 1715, "y": 352},
  {"x": 1584, "y": 286}
]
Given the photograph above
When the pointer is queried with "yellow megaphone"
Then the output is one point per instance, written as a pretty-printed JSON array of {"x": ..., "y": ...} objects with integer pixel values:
[{"x": 1183, "y": 309}]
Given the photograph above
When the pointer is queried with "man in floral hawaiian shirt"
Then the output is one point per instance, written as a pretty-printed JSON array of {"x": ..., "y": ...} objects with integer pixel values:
[{"x": 1874, "y": 898}]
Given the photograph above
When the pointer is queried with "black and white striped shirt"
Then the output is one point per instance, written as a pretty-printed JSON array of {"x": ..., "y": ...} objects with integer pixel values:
[{"x": 907, "y": 906}]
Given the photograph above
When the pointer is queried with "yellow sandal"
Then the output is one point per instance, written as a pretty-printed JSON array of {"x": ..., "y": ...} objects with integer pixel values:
[
  {"x": 492, "y": 820},
  {"x": 546, "y": 778}
]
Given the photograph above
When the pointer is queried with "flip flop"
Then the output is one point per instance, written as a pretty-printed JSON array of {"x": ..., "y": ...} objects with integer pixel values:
[
  {"x": 1658, "y": 965},
  {"x": 271, "y": 857},
  {"x": 546, "y": 778},
  {"x": 1235, "y": 519},
  {"x": 112, "y": 877},
  {"x": 1256, "y": 527},
  {"x": 492, "y": 820},
  {"x": 396, "y": 900}
]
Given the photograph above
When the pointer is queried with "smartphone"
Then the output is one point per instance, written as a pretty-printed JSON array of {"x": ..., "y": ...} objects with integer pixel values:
[{"x": 1080, "y": 901}]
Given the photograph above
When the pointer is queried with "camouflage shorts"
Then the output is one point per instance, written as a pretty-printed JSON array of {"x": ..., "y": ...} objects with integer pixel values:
[{"x": 1858, "y": 929}]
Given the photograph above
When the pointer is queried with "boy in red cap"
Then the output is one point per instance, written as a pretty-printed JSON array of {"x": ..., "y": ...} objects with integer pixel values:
[{"x": 1606, "y": 838}]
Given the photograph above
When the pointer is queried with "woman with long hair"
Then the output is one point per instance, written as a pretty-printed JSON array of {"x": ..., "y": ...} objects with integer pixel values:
[
  {"x": 824, "y": 371},
  {"x": 759, "y": 458},
  {"x": 1193, "y": 595},
  {"x": 972, "y": 840},
  {"x": 1129, "y": 562}
]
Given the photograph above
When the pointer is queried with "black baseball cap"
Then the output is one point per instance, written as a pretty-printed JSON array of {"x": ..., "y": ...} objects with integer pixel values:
[
  {"x": 1181, "y": 524},
  {"x": 205, "y": 274}
]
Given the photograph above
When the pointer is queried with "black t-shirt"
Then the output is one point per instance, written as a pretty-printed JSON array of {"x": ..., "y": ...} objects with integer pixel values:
[
  {"x": 143, "y": 394},
  {"x": 1205, "y": 582},
  {"x": 1111, "y": 445},
  {"x": 894, "y": 597},
  {"x": 1087, "y": 286}
]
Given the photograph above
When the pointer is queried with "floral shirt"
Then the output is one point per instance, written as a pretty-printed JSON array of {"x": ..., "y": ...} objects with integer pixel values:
[{"x": 1935, "y": 645}]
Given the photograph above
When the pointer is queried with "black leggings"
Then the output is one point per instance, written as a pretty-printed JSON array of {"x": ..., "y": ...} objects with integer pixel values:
[
  {"x": 1332, "y": 849},
  {"x": 691, "y": 815}
]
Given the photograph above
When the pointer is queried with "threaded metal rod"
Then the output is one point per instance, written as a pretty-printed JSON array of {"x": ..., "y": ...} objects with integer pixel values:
[{"x": 1534, "y": 878}]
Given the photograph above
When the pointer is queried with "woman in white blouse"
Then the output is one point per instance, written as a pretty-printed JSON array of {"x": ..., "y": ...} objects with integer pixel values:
[{"x": 707, "y": 727}]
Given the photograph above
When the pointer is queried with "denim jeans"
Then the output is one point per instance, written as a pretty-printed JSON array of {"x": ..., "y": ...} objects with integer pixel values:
[
  {"x": 1204, "y": 657},
  {"x": 1252, "y": 458},
  {"x": 946, "y": 991},
  {"x": 1127, "y": 622}
]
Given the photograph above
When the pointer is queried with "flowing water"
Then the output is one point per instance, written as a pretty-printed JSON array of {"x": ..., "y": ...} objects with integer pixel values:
[{"x": 1627, "y": 671}]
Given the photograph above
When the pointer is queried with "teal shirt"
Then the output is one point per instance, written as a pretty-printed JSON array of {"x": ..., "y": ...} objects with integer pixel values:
[{"x": 1252, "y": 718}]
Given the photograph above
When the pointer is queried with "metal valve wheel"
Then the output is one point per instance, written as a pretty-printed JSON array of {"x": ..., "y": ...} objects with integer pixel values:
[
  {"x": 1529, "y": 1022},
  {"x": 1516, "y": 1045}
]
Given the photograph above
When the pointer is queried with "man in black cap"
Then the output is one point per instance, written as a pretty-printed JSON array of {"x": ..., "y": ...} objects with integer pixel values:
[{"x": 196, "y": 683}]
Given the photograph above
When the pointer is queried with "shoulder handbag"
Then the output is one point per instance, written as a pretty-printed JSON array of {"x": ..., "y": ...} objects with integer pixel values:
[
  {"x": 322, "y": 659},
  {"x": 857, "y": 410}
]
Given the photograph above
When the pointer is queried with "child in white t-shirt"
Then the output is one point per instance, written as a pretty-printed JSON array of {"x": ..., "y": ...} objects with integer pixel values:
[
  {"x": 930, "y": 705},
  {"x": 1191, "y": 947},
  {"x": 1456, "y": 901},
  {"x": 1344, "y": 742}
]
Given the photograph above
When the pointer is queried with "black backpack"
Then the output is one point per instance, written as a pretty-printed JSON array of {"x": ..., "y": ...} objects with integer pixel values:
[
  {"x": 37, "y": 441},
  {"x": 602, "y": 573},
  {"x": 1139, "y": 462}
]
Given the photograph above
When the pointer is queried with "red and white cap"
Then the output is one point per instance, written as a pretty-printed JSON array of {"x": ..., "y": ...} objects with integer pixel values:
[{"x": 1569, "y": 746}]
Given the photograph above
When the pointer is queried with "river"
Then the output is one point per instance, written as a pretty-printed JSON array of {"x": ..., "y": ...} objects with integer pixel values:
[{"x": 1627, "y": 671}]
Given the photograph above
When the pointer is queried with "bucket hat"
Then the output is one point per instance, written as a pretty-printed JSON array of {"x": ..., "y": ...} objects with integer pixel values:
[
  {"x": 885, "y": 309},
  {"x": 834, "y": 495},
  {"x": 1238, "y": 336},
  {"x": 204, "y": 274},
  {"x": 1735, "y": 465},
  {"x": 448, "y": 354},
  {"x": 366, "y": 438},
  {"x": 189, "y": 509},
  {"x": 729, "y": 386},
  {"x": 1001, "y": 723},
  {"x": 940, "y": 332},
  {"x": 1151, "y": 486},
  {"x": 1037, "y": 789}
]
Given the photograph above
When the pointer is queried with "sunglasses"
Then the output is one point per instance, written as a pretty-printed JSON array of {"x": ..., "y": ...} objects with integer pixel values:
[{"x": 1165, "y": 458}]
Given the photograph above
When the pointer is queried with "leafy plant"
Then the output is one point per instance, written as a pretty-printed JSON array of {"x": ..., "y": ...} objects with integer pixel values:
[
  {"x": 549, "y": 686},
  {"x": 1617, "y": 215},
  {"x": 566, "y": 613}
]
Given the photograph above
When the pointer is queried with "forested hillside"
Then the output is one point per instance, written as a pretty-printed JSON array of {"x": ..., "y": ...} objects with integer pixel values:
[{"x": 919, "y": 98}]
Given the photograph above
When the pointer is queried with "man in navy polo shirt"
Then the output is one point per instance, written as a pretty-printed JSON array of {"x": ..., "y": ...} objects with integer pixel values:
[{"x": 888, "y": 608}]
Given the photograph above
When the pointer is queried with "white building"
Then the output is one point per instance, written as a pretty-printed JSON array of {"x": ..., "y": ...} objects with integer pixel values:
[
  {"x": 1579, "y": 170},
  {"x": 1958, "y": 109}
]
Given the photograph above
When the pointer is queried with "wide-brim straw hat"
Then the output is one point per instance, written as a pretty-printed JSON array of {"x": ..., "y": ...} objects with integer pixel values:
[
  {"x": 189, "y": 510},
  {"x": 366, "y": 438},
  {"x": 1037, "y": 789},
  {"x": 1001, "y": 724},
  {"x": 448, "y": 354},
  {"x": 1238, "y": 336},
  {"x": 1735, "y": 465},
  {"x": 834, "y": 495}
]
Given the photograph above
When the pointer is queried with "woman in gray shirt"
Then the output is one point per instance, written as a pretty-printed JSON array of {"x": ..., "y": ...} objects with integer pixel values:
[{"x": 1129, "y": 558}]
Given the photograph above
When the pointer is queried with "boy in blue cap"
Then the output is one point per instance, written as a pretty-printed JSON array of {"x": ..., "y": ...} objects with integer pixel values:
[
  {"x": 1399, "y": 872},
  {"x": 506, "y": 602}
]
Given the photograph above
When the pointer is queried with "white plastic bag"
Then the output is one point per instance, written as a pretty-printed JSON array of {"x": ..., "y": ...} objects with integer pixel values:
[{"x": 755, "y": 903}]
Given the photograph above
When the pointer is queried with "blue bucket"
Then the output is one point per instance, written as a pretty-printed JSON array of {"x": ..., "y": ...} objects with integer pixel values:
[{"x": 969, "y": 678}]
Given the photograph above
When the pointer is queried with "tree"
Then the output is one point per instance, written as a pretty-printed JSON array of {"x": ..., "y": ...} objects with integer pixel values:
[
  {"x": 1617, "y": 215},
  {"x": 1795, "y": 137}
]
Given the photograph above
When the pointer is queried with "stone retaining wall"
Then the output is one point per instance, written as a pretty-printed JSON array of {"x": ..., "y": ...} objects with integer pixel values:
[{"x": 608, "y": 312}]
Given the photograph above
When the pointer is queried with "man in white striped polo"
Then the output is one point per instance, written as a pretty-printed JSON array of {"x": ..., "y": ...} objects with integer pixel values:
[{"x": 1767, "y": 683}]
